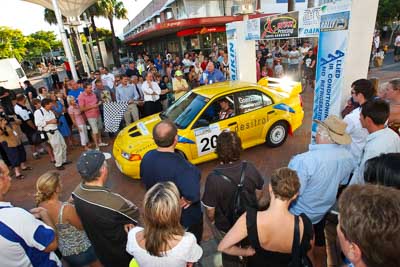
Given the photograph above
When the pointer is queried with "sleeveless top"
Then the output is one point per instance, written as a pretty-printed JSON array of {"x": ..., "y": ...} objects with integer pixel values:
[
  {"x": 71, "y": 241},
  {"x": 265, "y": 258}
]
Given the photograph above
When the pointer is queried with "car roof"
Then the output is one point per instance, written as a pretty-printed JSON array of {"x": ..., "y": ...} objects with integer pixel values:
[{"x": 214, "y": 89}]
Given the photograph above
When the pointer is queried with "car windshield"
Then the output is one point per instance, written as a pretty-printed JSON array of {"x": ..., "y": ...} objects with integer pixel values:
[{"x": 183, "y": 111}]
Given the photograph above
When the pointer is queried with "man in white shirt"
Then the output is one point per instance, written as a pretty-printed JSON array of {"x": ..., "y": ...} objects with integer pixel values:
[
  {"x": 151, "y": 92},
  {"x": 361, "y": 91},
  {"x": 285, "y": 57},
  {"x": 46, "y": 122},
  {"x": 304, "y": 49},
  {"x": 294, "y": 60},
  {"x": 107, "y": 78},
  {"x": 24, "y": 239},
  {"x": 43, "y": 93},
  {"x": 28, "y": 127},
  {"x": 187, "y": 63},
  {"x": 381, "y": 139}
]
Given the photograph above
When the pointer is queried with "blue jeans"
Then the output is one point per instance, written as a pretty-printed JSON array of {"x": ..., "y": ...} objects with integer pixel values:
[{"x": 82, "y": 259}]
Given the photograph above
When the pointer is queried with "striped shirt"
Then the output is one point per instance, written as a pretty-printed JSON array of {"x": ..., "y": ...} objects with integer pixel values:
[{"x": 23, "y": 239}]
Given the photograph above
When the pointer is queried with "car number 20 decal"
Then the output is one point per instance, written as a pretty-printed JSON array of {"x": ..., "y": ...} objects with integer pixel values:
[{"x": 206, "y": 139}]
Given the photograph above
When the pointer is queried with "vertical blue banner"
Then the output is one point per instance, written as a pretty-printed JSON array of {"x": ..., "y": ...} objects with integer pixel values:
[
  {"x": 332, "y": 50},
  {"x": 231, "y": 37}
]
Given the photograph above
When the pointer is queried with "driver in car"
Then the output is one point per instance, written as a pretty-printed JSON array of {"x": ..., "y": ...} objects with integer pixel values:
[{"x": 226, "y": 111}]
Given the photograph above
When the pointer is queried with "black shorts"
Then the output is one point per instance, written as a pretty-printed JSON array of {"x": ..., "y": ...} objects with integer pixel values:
[
  {"x": 319, "y": 232},
  {"x": 29, "y": 135},
  {"x": 309, "y": 74}
]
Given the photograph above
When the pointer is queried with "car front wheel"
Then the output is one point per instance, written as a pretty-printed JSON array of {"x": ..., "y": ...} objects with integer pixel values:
[{"x": 277, "y": 134}]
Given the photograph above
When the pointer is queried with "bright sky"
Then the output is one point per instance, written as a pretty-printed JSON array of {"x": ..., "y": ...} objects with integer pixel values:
[{"x": 29, "y": 17}]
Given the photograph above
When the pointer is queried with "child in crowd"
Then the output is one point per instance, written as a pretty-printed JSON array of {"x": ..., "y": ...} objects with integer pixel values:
[
  {"x": 10, "y": 140},
  {"x": 278, "y": 69},
  {"x": 78, "y": 121},
  {"x": 264, "y": 72}
]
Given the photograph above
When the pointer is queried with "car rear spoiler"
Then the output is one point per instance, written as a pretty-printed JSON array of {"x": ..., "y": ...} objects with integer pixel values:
[{"x": 281, "y": 85}]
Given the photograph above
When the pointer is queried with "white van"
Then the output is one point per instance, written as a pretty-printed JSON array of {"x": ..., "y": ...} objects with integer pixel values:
[{"x": 11, "y": 74}]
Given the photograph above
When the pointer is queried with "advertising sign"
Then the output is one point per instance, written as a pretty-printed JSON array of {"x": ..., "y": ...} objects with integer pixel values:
[
  {"x": 309, "y": 22},
  {"x": 252, "y": 30},
  {"x": 279, "y": 26},
  {"x": 333, "y": 42},
  {"x": 231, "y": 37}
]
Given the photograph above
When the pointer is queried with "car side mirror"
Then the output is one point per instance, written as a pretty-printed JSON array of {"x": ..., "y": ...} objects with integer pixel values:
[{"x": 201, "y": 123}]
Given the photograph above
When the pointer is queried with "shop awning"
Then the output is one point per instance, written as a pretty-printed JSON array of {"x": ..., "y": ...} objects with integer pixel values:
[
  {"x": 203, "y": 30},
  {"x": 175, "y": 26}
]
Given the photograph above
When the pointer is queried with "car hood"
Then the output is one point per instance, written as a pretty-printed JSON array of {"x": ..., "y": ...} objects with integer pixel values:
[{"x": 137, "y": 136}]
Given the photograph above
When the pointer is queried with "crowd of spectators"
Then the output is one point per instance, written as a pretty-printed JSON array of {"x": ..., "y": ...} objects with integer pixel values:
[
  {"x": 353, "y": 166},
  {"x": 97, "y": 227},
  {"x": 285, "y": 59}
]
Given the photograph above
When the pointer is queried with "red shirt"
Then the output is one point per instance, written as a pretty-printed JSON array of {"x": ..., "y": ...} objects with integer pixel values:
[
  {"x": 67, "y": 66},
  {"x": 86, "y": 100},
  {"x": 203, "y": 65}
]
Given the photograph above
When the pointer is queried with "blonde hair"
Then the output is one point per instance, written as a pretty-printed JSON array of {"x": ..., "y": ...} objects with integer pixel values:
[
  {"x": 46, "y": 186},
  {"x": 70, "y": 98},
  {"x": 162, "y": 214}
]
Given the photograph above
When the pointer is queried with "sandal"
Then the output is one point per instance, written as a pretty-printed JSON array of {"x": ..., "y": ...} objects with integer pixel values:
[
  {"x": 27, "y": 168},
  {"x": 20, "y": 177}
]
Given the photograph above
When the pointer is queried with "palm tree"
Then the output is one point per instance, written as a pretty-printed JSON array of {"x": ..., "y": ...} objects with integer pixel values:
[
  {"x": 95, "y": 11},
  {"x": 114, "y": 8},
  {"x": 50, "y": 18}
]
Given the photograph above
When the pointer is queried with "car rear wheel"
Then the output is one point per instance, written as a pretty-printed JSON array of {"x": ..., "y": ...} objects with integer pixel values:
[{"x": 277, "y": 134}]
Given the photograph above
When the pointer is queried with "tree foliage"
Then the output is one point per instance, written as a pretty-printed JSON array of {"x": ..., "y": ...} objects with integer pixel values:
[
  {"x": 41, "y": 42},
  {"x": 113, "y": 9},
  {"x": 388, "y": 11},
  {"x": 12, "y": 43}
]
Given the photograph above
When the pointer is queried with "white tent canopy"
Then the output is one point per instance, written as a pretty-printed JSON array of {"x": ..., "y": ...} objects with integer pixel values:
[{"x": 68, "y": 8}]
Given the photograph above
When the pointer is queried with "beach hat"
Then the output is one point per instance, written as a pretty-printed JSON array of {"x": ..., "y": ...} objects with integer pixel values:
[
  {"x": 178, "y": 73},
  {"x": 336, "y": 129}
]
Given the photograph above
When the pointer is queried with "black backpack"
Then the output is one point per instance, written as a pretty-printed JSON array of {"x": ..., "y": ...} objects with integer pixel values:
[{"x": 241, "y": 199}]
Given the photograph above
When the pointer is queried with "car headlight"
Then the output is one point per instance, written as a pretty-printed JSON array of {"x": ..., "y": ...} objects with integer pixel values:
[{"x": 131, "y": 157}]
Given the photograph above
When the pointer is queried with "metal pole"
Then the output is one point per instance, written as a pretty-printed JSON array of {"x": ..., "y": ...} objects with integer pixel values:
[
  {"x": 81, "y": 50},
  {"x": 90, "y": 42},
  {"x": 64, "y": 40}
]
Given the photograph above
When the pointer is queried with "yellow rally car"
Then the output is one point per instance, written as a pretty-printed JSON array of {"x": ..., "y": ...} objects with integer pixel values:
[{"x": 260, "y": 113}]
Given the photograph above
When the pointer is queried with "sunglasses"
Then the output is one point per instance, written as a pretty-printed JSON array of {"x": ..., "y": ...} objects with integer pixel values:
[{"x": 353, "y": 92}]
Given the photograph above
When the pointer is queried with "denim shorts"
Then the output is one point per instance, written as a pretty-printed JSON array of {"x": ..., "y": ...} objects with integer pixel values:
[{"x": 82, "y": 259}]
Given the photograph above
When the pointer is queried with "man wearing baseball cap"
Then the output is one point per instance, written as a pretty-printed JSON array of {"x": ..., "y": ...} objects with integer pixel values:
[
  {"x": 106, "y": 216},
  {"x": 179, "y": 85},
  {"x": 321, "y": 170}
]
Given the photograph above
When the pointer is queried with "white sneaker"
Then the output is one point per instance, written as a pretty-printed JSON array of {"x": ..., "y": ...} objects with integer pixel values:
[{"x": 103, "y": 144}]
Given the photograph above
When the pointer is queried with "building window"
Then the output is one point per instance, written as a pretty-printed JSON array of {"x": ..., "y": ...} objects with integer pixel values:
[
  {"x": 158, "y": 19},
  {"x": 169, "y": 14}
]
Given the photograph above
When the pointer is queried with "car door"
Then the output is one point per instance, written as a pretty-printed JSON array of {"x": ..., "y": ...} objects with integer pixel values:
[
  {"x": 209, "y": 125},
  {"x": 253, "y": 107}
]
